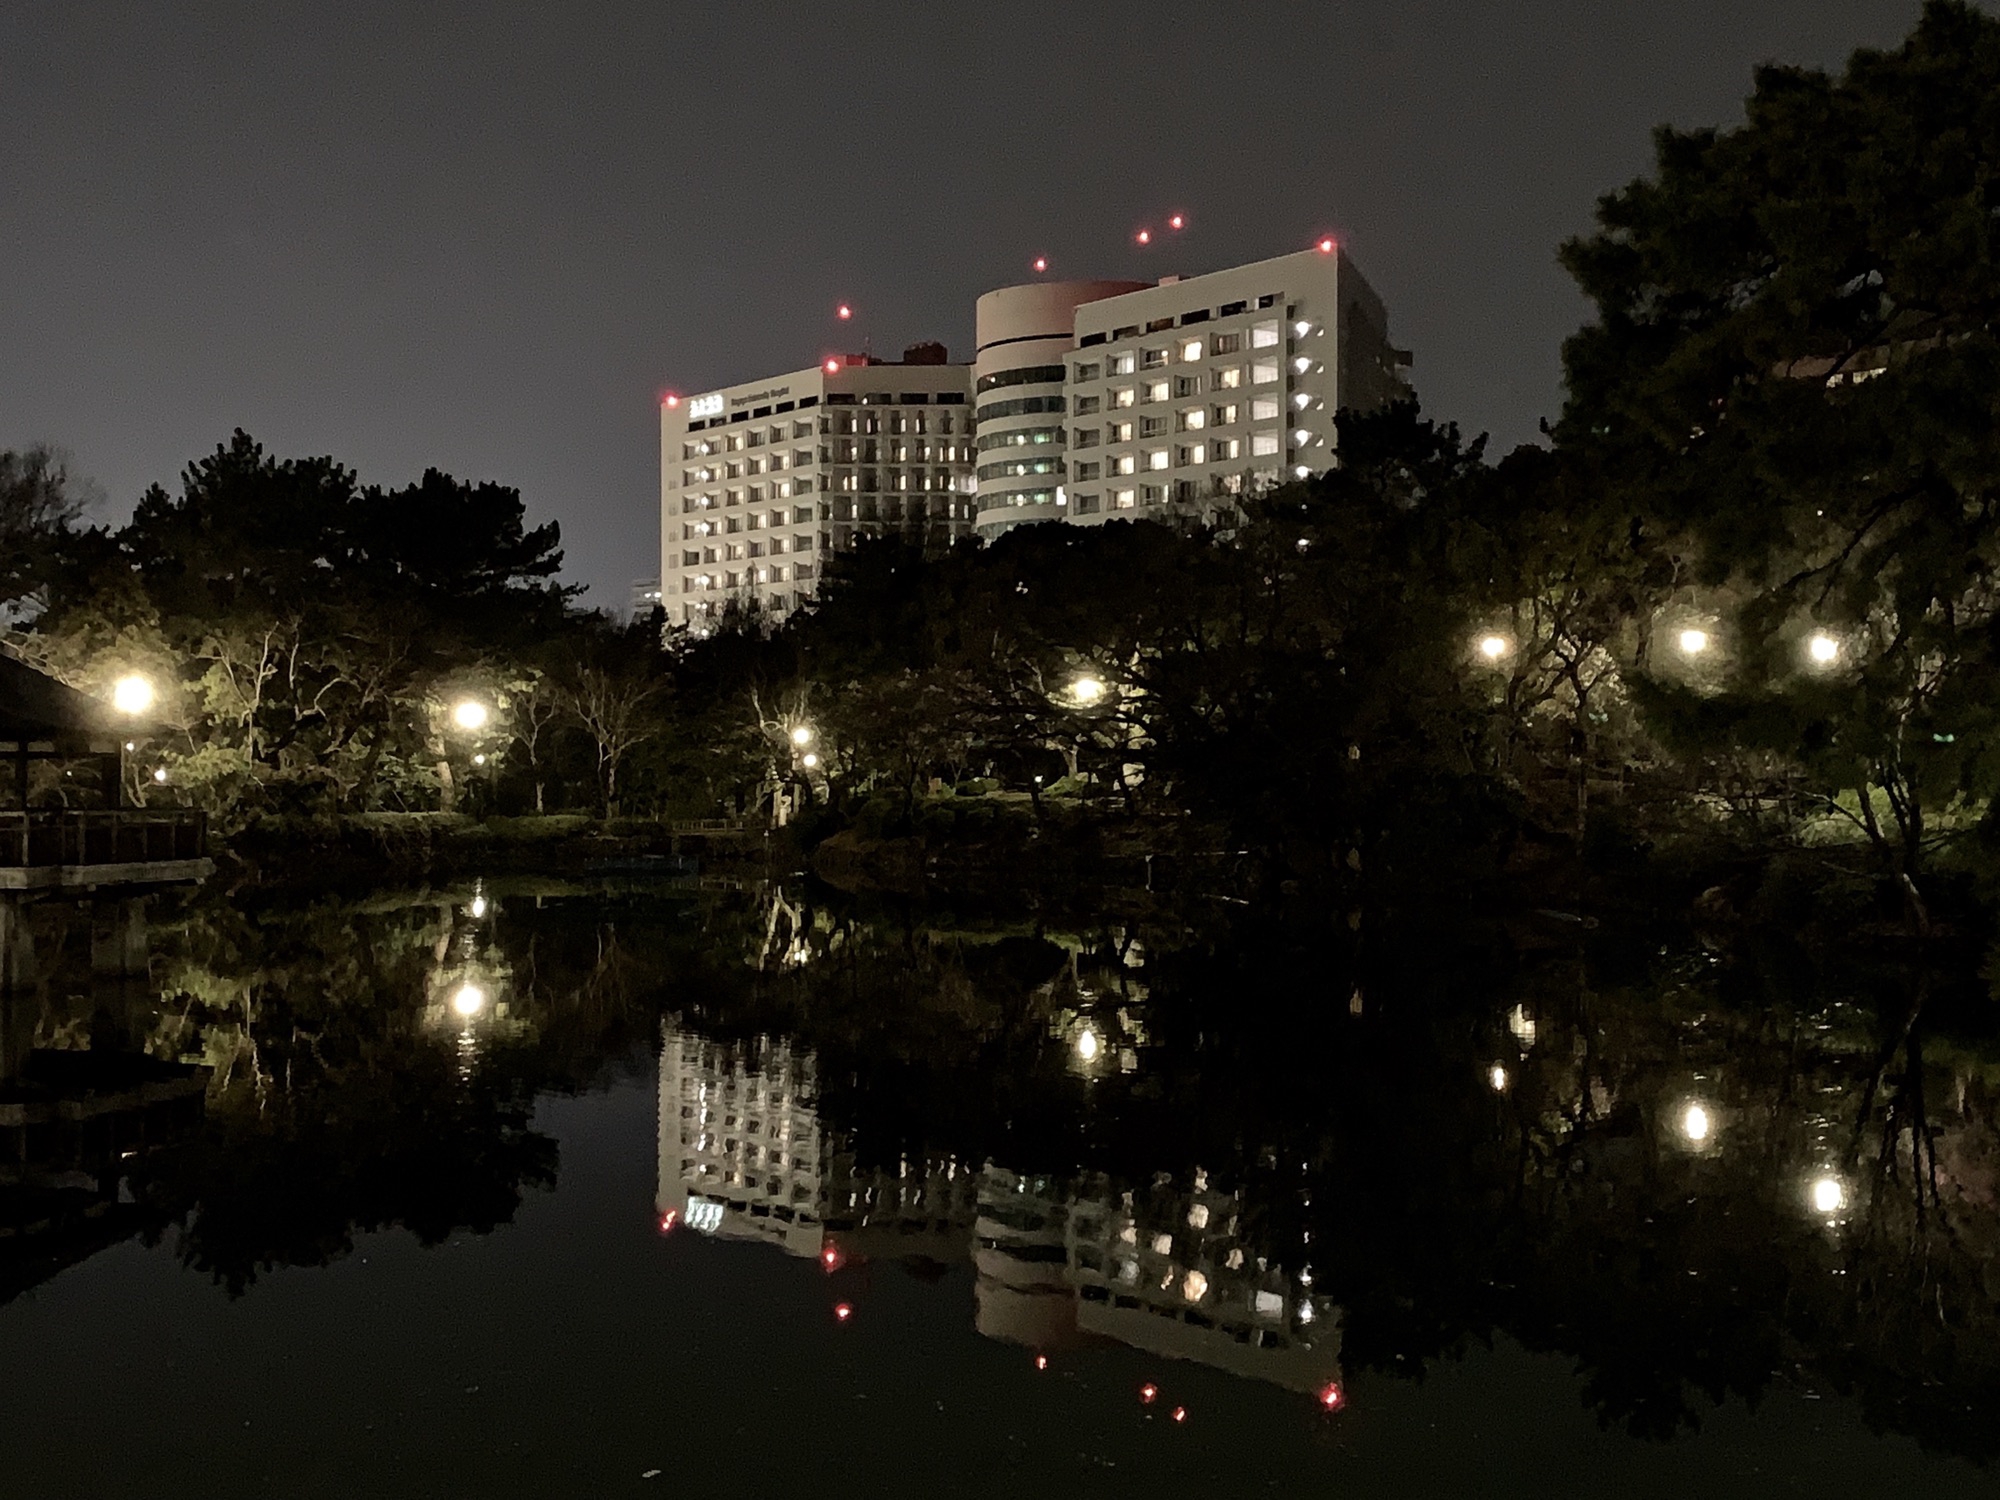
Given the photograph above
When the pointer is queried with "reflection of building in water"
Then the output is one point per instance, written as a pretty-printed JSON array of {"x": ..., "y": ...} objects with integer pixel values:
[
  {"x": 743, "y": 1155},
  {"x": 1163, "y": 1271},
  {"x": 82, "y": 1103}
]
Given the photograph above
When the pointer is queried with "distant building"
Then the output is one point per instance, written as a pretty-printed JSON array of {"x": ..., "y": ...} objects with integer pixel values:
[
  {"x": 760, "y": 481},
  {"x": 1024, "y": 336},
  {"x": 1191, "y": 393},
  {"x": 645, "y": 597}
]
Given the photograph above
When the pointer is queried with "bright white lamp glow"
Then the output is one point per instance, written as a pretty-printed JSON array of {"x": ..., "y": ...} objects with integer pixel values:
[
  {"x": 1695, "y": 1123},
  {"x": 802, "y": 736},
  {"x": 469, "y": 1001},
  {"x": 160, "y": 775},
  {"x": 132, "y": 694},
  {"x": 1493, "y": 647},
  {"x": 1822, "y": 647},
  {"x": 809, "y": 760},
  {"x": 478, "y": 908},
  {"x": 470, "y": 713},
  {"x": 1497, "y": 1076},
  {"x": 1828, "y": 1196},
  {"x": 1087, "y": 689},
  {"x": 1087, "y": 1044},
  {"x": 1693, "y": 642}
]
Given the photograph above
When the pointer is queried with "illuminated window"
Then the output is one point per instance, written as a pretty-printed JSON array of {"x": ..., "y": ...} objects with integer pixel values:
[
  {"x": 1127, "y": 464},
  {"x": 1157, "y": 459},
  {"x": 1120, "y": 364},
  {"x": 1190, "y": 351},
  {"x": 1264, "y": 335},
  {"x": 1263, "y": 444},
  {"x": 1155, "y": 359},
  {"x": 1227, "y": 343},
  {"x": 1194, "y": 453},
  {"x": 1125, "y": 397},
  {"x": 1120, "y": 432},
  {"x": 1229, "y": 379},
  {"x": 1194, "y": 419},
  {"x": 1157, "y": 391},
  {"x": 1264, "y": 372},
  {"x": 1124, "y": 499},
  {"x": 1264, "y": 409}
]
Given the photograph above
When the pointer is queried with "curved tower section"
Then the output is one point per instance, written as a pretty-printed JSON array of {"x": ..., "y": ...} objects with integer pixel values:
[{"x": 1025, "y": 334}]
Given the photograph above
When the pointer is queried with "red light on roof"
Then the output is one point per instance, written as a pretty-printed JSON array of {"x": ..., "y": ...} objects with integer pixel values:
[
  {"x": 670, "y": 399},
  {"x": 844, "y": 313},
  {"x": 1325, "y": 246},
  {"x": 832, "y": 367},
  {"x": 843, "y": 1311},
  {"x": 830, "y": 1258},
  {"x": 1176, "y": 222},
  {"x": 1144, "y": 236},
  {"x": 1041, "y": 1361},
  {"x": 1332, "y": 1396},
  {"x": 1149, "y": 1393},
  {"x": 1180, "y": 1413},
  {"x": 668, "y": 1220},
  {"x": 1041, "y": 263}
]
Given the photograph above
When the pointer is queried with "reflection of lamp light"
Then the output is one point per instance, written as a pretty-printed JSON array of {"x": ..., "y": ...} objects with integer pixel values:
[
  {"x": 1695, "y": 1123},
  {"x": 1828, "y": 1196},
  {"x": 470, "y": 714},
  {"x": 1087, "y": 1044},
  {"x": 132, "y": 694},
  {"x": 469, "y": 1001}
]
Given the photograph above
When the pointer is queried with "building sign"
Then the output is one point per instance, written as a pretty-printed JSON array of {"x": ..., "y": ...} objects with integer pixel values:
[{"x": 705, "y": 406}]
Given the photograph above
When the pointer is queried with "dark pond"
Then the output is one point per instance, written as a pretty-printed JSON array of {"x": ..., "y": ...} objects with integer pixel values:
[{"x": 545, "y": 1190}]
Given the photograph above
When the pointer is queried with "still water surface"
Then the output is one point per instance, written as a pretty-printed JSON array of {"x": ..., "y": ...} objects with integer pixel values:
[{"x": 518, "y": 1190}]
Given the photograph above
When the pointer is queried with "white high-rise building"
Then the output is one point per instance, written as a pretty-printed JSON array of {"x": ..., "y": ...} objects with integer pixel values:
[
  {"x": 1195, "y": 391},
  {"x": 1024, "y": 336},
  {"x": 760, "y": 481}
]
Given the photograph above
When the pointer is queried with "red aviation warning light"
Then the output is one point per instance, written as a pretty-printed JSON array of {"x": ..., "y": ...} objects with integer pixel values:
[
  {"x": 1331, "y": 1397},
  {"x": 669, "y": 1219},
  {"x": 1144, "y": 236},
  {"x": 843, "y": 312},
  {"x": 670, "y": 399},
  {"x": 1041, "y": 262},
  {"x": 1326, "y": 245},
  {"x": 832, "y": 367},
  {"x": 1149, "y": 1393},
  {"x": 1177, "y": 222},
  {"x": 1180, "y": 1413},
  {"x": 1041, "y": 1361},
  {"x": 843, "y": 1311}
]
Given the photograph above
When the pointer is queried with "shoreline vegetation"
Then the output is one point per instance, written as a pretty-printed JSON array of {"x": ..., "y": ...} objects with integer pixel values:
[{"x": 1728, "y": 639}]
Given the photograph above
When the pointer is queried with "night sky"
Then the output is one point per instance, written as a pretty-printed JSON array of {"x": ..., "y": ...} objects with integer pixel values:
[{"x": 488, "y": 236}]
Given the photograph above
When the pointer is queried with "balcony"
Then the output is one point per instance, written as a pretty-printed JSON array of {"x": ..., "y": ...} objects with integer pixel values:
[{"x": 71, "y": 849}]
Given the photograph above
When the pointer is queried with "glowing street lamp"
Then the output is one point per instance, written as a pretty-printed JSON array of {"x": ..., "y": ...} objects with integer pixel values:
[
  {"x": 1493, "y": 647},
  {"x": 470, "y": 714},
  {"x": 1087, "y": 689},
  {"x": 469, "y": 1001},
  {"x": 809, "y": 760},
  {"x": 1822, "y": 648},
  {"x": 1087, "y": 1045},
  {"x": 132, "y": 694},
  {"x": 803, "y": 736},
  {"x": 1828, "y": 1196},
  {"x": 1693, "y": 642},
  {"x": 1696, "y": 1124}
]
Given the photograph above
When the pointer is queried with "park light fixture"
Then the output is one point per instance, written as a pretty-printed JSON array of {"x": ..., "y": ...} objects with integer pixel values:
[
  {"x": 1822, "y": 648},
  {"x": 1087, "y": 689},
  {"x": 132, "y": 694},
  {"x": 1696, "y": 1124},
  {"x": 1693, "y": 642},
  {"x": 469, "y": 1001},
  {"x": 159, "y": 775},
  {"x": 1828, "y": 1196},
  {"x": 1087, "y": 1045},
  {"x": 1493, "y": 647},
  {"x": 802, "y": 736},
  {"x": 809, "y": 760},
  {"x": 1496, "y": 1076},
  {"x": 470, "y": 714}
]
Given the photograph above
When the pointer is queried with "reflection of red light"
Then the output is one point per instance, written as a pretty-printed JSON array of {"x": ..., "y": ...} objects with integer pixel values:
[
  {"x": 1180, "y": 1413},
  {"x": 1041, "y": 263},
  {"x": 844, "y": 313},
  {"x": 843, "y": 1311},
  {"x": 1331, "y": 1397},
  {"x": 1176, "y": 221},
  {"x": 1145, "y": 236},
  {"x": 1149, "y": 1392},
  {"x": 668, "y": 1220},
  {"x": 1326, "y": 246},
  {"x": 833, "y": 367},
  {"x": 1041, "y": 1361}
]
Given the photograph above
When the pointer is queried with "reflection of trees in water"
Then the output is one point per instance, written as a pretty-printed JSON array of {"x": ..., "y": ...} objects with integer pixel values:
[
  {"x": 376, "y": 1065},
  {"x": 1570, "y": 1208}
]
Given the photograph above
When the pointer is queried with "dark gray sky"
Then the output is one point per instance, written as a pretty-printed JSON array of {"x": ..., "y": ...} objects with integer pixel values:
[{"x": 487, "y": 236}]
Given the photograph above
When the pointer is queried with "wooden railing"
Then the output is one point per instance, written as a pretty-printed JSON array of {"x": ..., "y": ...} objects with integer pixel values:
[{"x": 127, "y": 835}]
